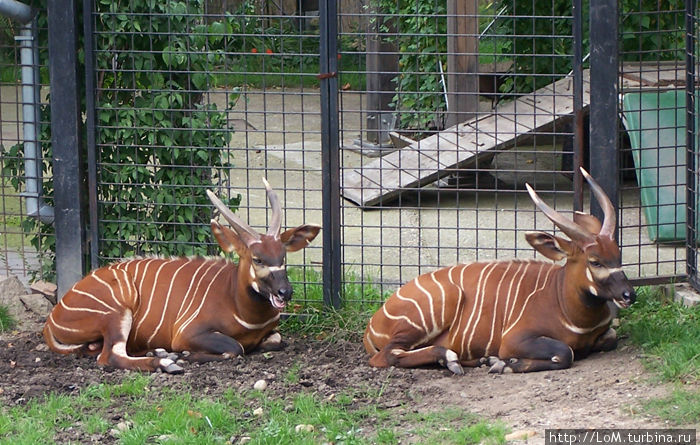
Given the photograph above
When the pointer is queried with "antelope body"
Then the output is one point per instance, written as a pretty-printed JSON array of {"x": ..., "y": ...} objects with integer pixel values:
[
  {"x": 208, "y": 308},
  {"x": 517, "y": 315}
]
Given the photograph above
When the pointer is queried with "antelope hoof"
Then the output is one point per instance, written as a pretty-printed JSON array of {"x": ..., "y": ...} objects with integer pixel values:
[
  {"x": 162, "y": 353},
  {"x": 491, "y": 360},
  {"x": 170, "y": 367},
  {"x": 455, "y": 367},
  {"x": 498, "y": 367}
]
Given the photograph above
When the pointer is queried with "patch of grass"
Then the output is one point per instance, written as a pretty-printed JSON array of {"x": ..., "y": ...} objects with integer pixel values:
[
  {"x": 6, "y": 320},
  {"x": 292, "y": 374},
  {"x": 667, "y": 332},
  {"x": 167, "y": 415},
  {"x": 681, "y": 407},
  {"x": 454, "y": 426},
  {"x": 318, "y": 321}
]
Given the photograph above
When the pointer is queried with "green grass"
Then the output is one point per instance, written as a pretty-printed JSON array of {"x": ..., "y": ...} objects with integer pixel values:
[
  {"x": 6, "y": 320},
  {"x": 166, "y": 415},
  {"x": 314, "y": 319},
  {"x": 668, "y": 334},
  {"x": 682, "y": 407}
]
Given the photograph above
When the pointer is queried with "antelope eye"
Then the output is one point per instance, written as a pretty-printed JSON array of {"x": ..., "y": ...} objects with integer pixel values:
[
  {"x": 594, "y": 263},
  {"x": 257, "y": 261}
]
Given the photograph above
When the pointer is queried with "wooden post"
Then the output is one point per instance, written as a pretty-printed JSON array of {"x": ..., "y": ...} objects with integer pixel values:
[
  {"x": 462, "y": 61},
  {"x": 382, "y": 67}
]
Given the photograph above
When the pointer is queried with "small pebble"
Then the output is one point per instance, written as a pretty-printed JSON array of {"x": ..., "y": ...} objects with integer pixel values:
[
  {"x": 257, "y": 412},
  {"x": 303, "y": 428},
  {"x": 520, "y": 435},
  {"x": 260, "y": 385},
  {"x": 123, "y": 426}
]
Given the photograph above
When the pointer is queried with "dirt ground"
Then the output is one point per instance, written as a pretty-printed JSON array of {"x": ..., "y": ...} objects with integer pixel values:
[{"x": 603, "y": 390}]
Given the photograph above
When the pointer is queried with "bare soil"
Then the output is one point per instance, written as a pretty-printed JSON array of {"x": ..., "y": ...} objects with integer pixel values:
[{"x": 603, "y": 390}]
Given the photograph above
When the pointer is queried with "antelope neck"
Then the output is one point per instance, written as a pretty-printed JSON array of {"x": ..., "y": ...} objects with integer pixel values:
[
  {"x": 249, "y": 308},
  {"x": 570, "y": 299}
]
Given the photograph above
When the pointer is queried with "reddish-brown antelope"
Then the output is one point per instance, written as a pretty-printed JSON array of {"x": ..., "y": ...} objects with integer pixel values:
[
  {"x": 207, "y": 308},
  {"x": 518, "y": 315}
]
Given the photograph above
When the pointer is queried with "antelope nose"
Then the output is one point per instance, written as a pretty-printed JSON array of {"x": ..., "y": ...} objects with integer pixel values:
[
  {"x": 286, "y": 293},
  {"x": 629, "y": 296}
]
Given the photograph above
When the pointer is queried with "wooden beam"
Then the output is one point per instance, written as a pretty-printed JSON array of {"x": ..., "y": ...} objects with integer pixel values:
[{"x": 462, "y": 61}]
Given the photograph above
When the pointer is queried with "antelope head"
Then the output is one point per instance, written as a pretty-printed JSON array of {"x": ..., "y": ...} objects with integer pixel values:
[
  {"x": 262, "y": 256},
  {"x": 592, "y": 251}
]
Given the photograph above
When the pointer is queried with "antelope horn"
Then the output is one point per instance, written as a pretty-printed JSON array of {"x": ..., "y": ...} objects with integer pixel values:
[
  {"x": 573, "y": 230},
  {"x": 276, "y": 221},
  {"x": 247, "y": 234},
  {"x": 609, "y": 216}
]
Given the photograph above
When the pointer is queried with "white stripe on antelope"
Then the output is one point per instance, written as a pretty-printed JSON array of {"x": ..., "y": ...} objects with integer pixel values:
[
  {"x": 212, "y": 308},
  {"x": 517, "y": 315}
]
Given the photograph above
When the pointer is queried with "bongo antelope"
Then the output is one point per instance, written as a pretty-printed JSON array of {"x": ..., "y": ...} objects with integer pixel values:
[
  {"x": 517, "y": 315},
  {"x": 210, "y": 307}
]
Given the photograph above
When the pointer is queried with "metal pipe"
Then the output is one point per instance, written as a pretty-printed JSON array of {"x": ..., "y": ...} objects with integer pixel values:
[
  {"x": 34, "y": 202},
  {"x": 17, "y": 11}
]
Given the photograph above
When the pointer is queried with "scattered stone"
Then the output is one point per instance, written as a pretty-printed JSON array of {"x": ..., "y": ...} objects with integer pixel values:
[
  {"x": 46, "y": 289},
  {"x": 257, "y": 412},
  {"x": 520, "y": 435},
  {"x": 37, "y": 303},
  {"x": 260, "y": 385},
  {"x": 41, "y": 347},
  {"x": 686, "y": 295},
  {"x": 11, "y": 288},
  {"x": 37, "y": 360},
  {"x": 244, "y": 439},
  {"x": 166, "y": 437},
  {"x": 124, "y": 425},
  {"x": 304, "y": 428}
]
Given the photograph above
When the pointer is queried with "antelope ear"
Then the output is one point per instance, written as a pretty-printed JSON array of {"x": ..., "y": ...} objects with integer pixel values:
[
  {"x": 300, "y": 237},
  {"x": 228, "y": 240},
  {"x": 588, "y": 222},
  {"x": 551, "y": 246}
]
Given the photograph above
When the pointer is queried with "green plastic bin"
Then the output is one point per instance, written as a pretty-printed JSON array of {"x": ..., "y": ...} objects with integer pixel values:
[{"x": 655, "y": 122}]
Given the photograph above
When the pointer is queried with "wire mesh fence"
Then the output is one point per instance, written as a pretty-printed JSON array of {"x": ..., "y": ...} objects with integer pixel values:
[
  {"x": 23, "y": 133},
  {"x": 461, "y": 106},
  {"x": 192, "y": 97},
  {"x": 653, "y": 138},
  {"x": 445, "y": 111}
]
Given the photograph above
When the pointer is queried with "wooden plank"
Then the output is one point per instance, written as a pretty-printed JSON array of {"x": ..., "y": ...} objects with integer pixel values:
[{"x": 460, "y": 146}]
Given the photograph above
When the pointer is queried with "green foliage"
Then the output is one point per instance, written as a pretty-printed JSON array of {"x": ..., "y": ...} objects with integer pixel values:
[
  {"x": 419, "y": 37},
  {"x": 668, "y": 334},
  {"x": 159, "y": 145},
  {"x": 535, "y": 36},
  {"x": 652, "y": 30},
  {"x": 542, "y": 42},
  {"x": 6, "y": 320}
]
